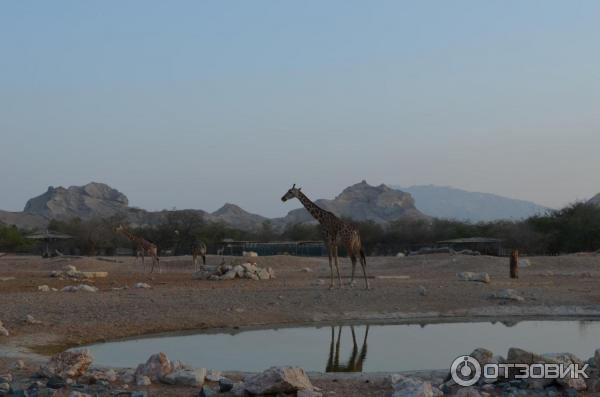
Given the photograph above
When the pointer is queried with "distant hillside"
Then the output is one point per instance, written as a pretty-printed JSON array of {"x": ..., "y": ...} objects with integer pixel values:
[
  {"x": 362, "y": 202},
  {"x": 452, "y": 203},
  {"x": 595, "y": 200},
  {"x": 237, "y": 217},
  {"x": 100, "y": 200}
]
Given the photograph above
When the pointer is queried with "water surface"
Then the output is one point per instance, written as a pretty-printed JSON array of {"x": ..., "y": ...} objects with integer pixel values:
[{"x": 360, "y": 348}]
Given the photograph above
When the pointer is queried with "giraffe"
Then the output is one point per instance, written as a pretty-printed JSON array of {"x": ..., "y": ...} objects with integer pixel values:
[
  {"x": 199, "y": 249},
  {"x": 356, "y": 360},
  {"x": 142, "y": 246},
  {"x": 336, "y": 231}
]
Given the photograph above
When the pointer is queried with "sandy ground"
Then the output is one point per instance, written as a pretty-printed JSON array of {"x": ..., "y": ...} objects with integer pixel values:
[{"x": 176, "y": 302}]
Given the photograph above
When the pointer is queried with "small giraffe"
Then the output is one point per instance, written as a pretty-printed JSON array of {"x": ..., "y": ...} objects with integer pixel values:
[
  {"x": 356, "y": 360},
  {"x": 142, "y": 246},
  {"x": 199, "y": 249},
  {"x": 336, "y": 231}
]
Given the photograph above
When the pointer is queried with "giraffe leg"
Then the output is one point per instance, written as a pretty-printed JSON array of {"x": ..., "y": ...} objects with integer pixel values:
[
  {"x": 363, "y": 263},
  {"x": 337, "y": 267},
  {"x": 353, "y": 259},
  {"x": 330, "y": 249},
  {"x": 204, "y": 260}
]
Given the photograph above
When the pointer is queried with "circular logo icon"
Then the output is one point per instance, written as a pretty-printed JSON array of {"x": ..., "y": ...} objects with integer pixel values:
[{"x": 465, "y": 370}]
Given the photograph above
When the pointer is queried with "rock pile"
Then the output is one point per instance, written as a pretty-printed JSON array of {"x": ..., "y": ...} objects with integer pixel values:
[
  {"x": 229, "y": 272},
  {"x": 71, "y": 272}
]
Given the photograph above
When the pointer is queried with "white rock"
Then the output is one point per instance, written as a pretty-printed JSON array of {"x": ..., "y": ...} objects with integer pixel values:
[
  {"x": 186, "y": 377},
  {"x": 80, "y": 287},
  {"x": 471, "y": 276},
  {"x": 509, "y": 294},
  {"x": 19, "y": 364},
  {"x": 43, "y": 288},
  {"x": 278, "y": 380},
  {"x": 142, "y": 380},
  {"x": 68, "y": 364},
  {"x": 524, "y": 263},
  {"x": 142, "y": 285},
  {"x": 156, "y": 367},
  {"x": 214, "y": 376},
  {"x": 30, "y": 320},
  {"x": 411, "y": 387},
  {"x": 3, "y": 331}
]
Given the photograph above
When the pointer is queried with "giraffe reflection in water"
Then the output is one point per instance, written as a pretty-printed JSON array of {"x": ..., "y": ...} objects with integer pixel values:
[{"x": 357, "y": 357}]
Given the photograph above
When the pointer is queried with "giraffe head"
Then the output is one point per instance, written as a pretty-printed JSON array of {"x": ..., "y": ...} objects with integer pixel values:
[{"x": 293, "y": 192}]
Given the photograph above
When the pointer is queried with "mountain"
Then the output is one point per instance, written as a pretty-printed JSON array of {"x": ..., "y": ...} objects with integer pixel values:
[
  {"x": 100, "y": 200},
  {"x": 363, "y": 202},
  {"x": 92, "y": 200},
  {"x": 595, "y": 200},
  {"x": 451, "y": 203},
  {"x": 237, "y": 217}
]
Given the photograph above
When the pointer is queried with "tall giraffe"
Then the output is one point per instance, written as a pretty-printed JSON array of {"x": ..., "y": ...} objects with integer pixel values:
[
  {"x": 199, "y": 249},
  {"x": 336, "y": 231},
  {"x": 142, "y": 246}
]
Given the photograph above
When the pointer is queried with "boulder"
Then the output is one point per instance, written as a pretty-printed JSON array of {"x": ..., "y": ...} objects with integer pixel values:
[
  {"x": 80, "y": 287},
  {"x": 29, "y": 319},
  {"x": 483, "y": 356},
  {"x": 225, "y": 385},
  {"x": 467, "y": 392},
  {"x": 278, "y": 380},
  {"x": 3, "y": 331},
  {"x": 524, "y": 263},
  {"x": 404, "y": 386},
  {"x": 507, "y": 294},
  {"x": 142, "y": 380},
  {"x": 156, "y": 367},
  {"x": 185, "y": 377},
  {"x": 471, "y": 276},
  {"x": 69, "y": 364},
  {"x": 214, "y": 375}
]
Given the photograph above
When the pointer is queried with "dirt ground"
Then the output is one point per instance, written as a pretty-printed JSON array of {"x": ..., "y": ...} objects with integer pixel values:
[{"x": 177, "y": 302}]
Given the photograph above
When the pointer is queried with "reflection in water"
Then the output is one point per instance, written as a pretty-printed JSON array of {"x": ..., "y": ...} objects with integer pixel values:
[
  {"x": 392, "y": 347},
  {"x": 356, "y": 360}
]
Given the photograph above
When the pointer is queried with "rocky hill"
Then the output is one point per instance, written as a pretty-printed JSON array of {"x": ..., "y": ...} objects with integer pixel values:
[
  {"x": 237, "y": 217},
  {"x": 92, "y": 200},
  {"x": 363, "y": 202},
  {"x": 100, "y": 200},
  {"x": 595, "y": 200},
  {"x": 451, "y": 203}
]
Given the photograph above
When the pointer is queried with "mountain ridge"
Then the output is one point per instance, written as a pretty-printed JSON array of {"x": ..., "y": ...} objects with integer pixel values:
[{"x": 454, "y": 203}]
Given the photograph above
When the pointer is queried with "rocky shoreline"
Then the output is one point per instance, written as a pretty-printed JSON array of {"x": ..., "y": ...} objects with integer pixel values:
[{"x": 73, "y": 374}]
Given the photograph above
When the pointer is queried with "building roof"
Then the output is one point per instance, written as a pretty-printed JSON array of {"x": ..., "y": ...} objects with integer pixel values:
[
  {"x": 48, "y": 235},
  {"x": 470, "y": 240}
]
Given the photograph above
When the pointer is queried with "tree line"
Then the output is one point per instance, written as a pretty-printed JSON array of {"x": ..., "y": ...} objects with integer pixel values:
[{"x": 574, "y": 228}]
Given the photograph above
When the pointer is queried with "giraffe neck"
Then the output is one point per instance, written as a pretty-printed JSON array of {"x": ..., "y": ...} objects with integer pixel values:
[
  {"x": 316, "y": 211},
  {"x": 131, "y": 237}
]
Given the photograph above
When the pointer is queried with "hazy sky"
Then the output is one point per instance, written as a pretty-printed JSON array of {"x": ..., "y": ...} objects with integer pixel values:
[{"x": 193, "y": 104}]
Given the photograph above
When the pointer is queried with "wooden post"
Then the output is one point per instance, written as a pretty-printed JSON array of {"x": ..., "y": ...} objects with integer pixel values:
[{"x": 514, "y": 264}]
